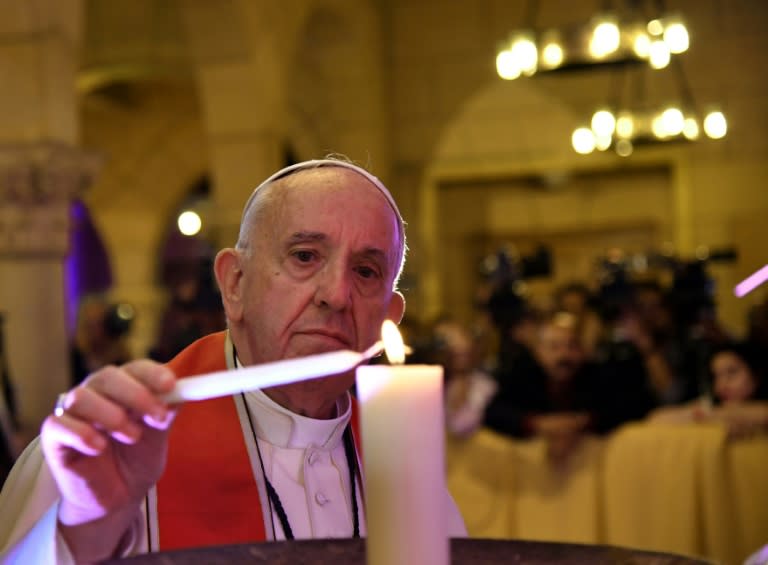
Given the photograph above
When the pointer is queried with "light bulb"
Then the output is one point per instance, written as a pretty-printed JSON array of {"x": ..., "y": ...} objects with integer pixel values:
[
  {"x": 583, "y": 141},
  {"x": 715, "y": 125},
  {"x": 189, "y": 223},
  {"x": 605, "y": 39},
  {"x": 658, "y": 54},
  {"x": 506, "y": 66},
  {"x": 603, "y": 142},
  {"x": 625, "y": 125},
  {"x": 673, "y": 121},
  {"x": 655, "y": 28},
  {"x": 603, "y": 123},
  {"x": 657, "y": 127},
  {"x": 676, "y": 37},
  {"x": 525, "y": 53},
  {"x": 691, "y": 128},
  {"x": 552, "y": 55},
  {"x": 642, "y": 45},
  {"x": 624, "y": 148}
]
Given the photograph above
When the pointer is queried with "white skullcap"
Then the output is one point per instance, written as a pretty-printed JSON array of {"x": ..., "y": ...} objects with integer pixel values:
[{"x": 317, "y": 163}]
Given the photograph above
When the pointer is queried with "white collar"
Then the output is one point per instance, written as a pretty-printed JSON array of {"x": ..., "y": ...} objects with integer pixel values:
[{"x": 283, "y": 428}]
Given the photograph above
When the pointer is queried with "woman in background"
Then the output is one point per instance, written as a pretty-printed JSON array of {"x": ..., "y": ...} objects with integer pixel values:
[{"x": 738, "y": 396}]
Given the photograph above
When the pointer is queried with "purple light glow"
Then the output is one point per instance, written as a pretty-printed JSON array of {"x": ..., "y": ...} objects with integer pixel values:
[
  {"x": 751, "y": 282},
  {"x": 86, "y": 267}
]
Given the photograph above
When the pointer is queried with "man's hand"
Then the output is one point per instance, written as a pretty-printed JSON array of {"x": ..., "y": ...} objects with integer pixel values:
[{"x": 106, "y": 450}]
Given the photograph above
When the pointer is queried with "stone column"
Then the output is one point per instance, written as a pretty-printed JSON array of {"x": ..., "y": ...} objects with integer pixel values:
[
  {"x": 37, "y": 184},
  {"x": 40, "y": 171},
  {"x": 239, "y": 75}
]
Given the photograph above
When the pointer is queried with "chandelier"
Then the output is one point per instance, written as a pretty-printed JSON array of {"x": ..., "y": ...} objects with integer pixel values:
[
  {"x": 604, "y": 40},
  {"x": 626, "y": 42},
  {"x": 631, "y": 121},
  {"x": 626, "y": 129}
]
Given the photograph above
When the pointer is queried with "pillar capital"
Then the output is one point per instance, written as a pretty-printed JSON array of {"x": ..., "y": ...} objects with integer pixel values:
[{"x": 38, "y": 181}]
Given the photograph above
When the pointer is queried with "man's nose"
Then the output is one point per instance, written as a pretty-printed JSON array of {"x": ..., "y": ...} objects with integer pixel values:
[{"x": 334, "y": 288}]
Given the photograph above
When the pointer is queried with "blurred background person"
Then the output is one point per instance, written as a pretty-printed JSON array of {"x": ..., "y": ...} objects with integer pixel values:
[
  {"x": 738, "y": 396},
  {"x": 194, "y": 309},
  {"x": 101, "y": 336},
  {"x": 551, "y": 395},
  {"x": 468, "y": 388},
  {"x": 576, "y": 298}
]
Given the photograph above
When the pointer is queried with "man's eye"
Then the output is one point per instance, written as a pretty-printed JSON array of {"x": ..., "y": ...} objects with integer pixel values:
[
  {"x": 367, "y": 272},
  {"x": 304, "y": 256}
]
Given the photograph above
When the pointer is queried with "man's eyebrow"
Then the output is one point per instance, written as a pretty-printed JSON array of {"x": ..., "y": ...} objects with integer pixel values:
[
  {"x": 378, "y": 256},
  {"x": 305, "y": 236},
  {"x": 375, "y": 254}
]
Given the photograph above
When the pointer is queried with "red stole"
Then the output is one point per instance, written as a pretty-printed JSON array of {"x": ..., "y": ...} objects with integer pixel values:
[{"x": 207, "y": 494}]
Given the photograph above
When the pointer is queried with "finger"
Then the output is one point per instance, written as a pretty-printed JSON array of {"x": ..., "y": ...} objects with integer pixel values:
[
  {"x": 67, "y": 432},
  {"x": 155, "y": 376},
  {"x": 104, "y": 413},
  {"x": 137, "y": 386}
]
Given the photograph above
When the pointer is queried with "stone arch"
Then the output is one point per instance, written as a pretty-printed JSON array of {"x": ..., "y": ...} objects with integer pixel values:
[
  {"x": 507, "y": 122},
  {"x": 334, "y": 100},
  {"x": 520, "y": 133},
  {"x": 480, "y": 142}
]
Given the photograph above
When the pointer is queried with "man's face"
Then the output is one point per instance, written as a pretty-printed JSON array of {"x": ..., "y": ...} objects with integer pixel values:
[
  {"x": 320, "y": 273},
  {"x": 558, "y": 351}
]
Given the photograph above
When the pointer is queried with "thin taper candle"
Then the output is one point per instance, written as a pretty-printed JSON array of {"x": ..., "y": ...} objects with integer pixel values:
[{"x": 224, "y": 383}]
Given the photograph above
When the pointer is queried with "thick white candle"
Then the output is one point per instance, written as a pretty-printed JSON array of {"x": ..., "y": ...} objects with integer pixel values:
[
  {"x": 401, "y": 409},
  {"x": 224, "y": 383}
]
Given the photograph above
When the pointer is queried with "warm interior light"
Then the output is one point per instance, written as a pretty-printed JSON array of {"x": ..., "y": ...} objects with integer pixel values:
[
  {"x": 642, "y": 45},
  {"x": 506, "y": 66},
  {"x": 676, "y": 37},
  {"x": 525, "y": 53},
  {"x": 603, "y": 123},
  {"x": 655, "y": 28},
  {"x": 552, "y": 55},
  {"x": 672, "y": 121},
  {"x": 715, "y": 125},
  {"x": 691, "y": 128},
  {"x": 625, "y": 125},
  {"x": 605, "y": 38},
  {"x": 393, "y": 342},
  {"x": 658, "y": 54},
  {"x": 603, "y": 142},
  {"x": 624, "y": 148},
  {"x": 189, "y": 223},
  {"x": 583, "y": 141},
  {"x": 657, "y": 127}
]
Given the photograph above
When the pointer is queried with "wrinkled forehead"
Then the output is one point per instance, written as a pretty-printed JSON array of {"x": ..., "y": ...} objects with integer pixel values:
[{"x": 320, "y": 163}]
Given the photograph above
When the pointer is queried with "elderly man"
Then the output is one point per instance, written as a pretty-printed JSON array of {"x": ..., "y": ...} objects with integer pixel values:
[
  {"x": 314, "y": 270},
  {"x": 550, "y": 394}
]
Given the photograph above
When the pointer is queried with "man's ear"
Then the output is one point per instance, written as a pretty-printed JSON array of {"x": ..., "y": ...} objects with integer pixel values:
[
  {"x": 396, "y": 307},
  {"x": 229, "y": 277}
]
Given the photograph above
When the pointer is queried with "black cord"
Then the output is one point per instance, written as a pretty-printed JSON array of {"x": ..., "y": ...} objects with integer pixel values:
[
  {"x": 349, "y": 451},
  {"x": 274, "y": 499}
]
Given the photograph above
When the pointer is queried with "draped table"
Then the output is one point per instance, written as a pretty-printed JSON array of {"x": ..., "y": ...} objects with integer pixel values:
[
  {"x": 463, "y": 552},
  {"x": 670, "y": 488}
]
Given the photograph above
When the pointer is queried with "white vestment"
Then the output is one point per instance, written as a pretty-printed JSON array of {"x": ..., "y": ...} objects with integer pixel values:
[{"x": 303, "y": 458}]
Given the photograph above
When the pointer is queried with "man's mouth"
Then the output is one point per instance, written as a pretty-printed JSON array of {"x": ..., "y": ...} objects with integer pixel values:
[{"x": 332, "y": 339}]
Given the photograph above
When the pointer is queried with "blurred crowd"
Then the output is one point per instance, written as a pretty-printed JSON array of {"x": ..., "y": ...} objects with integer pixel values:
[{"x": 598, "y": 356}]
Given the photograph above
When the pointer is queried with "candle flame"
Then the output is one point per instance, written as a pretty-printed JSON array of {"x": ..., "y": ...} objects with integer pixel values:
[{"x": 393, "y": 342}]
